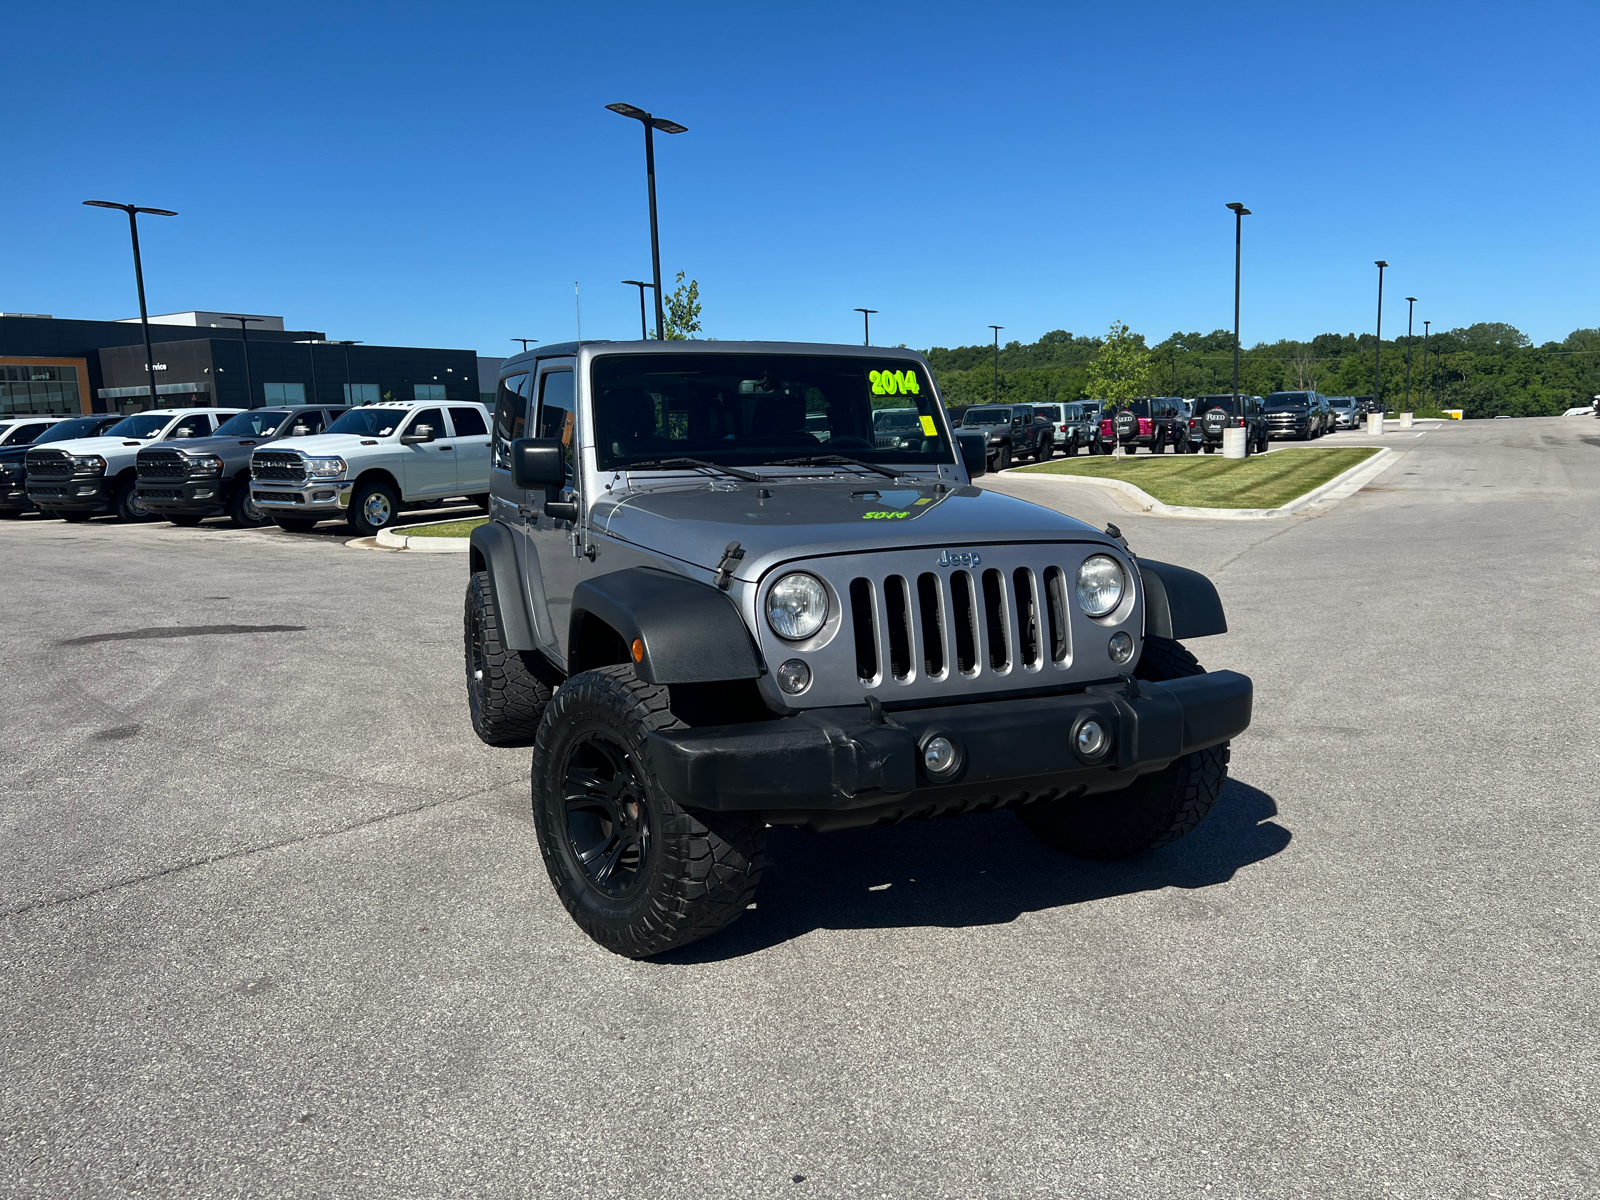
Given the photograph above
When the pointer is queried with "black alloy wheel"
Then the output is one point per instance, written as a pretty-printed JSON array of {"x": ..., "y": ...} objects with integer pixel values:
[{"x": 608, "y": 821}]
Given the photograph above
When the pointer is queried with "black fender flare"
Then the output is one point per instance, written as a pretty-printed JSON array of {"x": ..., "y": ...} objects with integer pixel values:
[
  {"x": 1179, "y": 603},
  {"x": 689, "y": 632},
  {"x": 490, "y": 549}
]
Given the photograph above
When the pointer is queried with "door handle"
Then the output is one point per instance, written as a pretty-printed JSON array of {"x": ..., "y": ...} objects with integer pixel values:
[{"x": 447, "y": 447}]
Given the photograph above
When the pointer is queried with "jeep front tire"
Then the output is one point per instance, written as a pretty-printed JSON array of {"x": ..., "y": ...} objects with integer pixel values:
[
  {"x": 506, "y": 693},
  {"x": 639, "y": 874}
]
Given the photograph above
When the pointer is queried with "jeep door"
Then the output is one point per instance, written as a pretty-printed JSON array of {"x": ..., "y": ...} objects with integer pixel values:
[
  {"x": 428, "y": 469},
  {"x": 472, "y": 450}
]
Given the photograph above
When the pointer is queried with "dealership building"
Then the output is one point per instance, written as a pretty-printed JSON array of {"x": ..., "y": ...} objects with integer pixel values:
[{"x": 64, "y": 366}]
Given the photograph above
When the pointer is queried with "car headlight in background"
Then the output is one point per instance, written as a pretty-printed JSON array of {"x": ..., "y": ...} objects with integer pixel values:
[
  {"x": 797, "y": 606},
  {"x": 1100, "y": 585},
  {"x": 325, "y": 468},
  {"x": 88, "y": 464},
  {"x": 205, "y": 464}
]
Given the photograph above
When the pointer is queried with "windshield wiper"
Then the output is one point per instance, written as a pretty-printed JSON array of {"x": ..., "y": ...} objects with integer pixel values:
[
  {"x": 836, "y": 460},
  {"x": 651, "y": 464}
]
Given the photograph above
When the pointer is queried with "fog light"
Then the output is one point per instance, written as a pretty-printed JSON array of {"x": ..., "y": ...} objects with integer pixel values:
[
  {"x": 203, "y": 495},
  {"x": 940, "y": 756},
  {"x": 88, "y": 491},
  {"x": 1092, "y": 739},
  {"x": 1121, "y": 647},
  {"x": 794, "y": 676},
  {"x": 322, "y": 497}
]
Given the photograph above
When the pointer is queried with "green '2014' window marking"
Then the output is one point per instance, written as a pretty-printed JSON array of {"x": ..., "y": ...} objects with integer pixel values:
[{"x": 895, "y": 383}]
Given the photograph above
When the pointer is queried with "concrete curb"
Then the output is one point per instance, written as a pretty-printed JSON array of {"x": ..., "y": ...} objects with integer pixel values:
[
  {"x": 1346, "y": 483},
  {"x": 394, "y": 538}
]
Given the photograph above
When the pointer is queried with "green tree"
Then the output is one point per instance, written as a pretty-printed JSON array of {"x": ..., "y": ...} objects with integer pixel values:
[
  {"x": 683, "y": 310},
  {"x": 1123, "y": 369}
]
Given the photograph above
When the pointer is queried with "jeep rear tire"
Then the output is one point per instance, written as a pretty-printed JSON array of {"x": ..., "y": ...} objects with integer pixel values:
[
  {"x": 373, "y": 507},
  {"x": 506, "y": 689},
  {"x": 1158, "y": 808},
  {"x": 639, "y": 874}
]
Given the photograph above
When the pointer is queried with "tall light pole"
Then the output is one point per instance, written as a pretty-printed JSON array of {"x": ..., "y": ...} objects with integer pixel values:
[
  {"x": 1411, "y": 308},
  {"x": 311, "y": 351},
  {"x": 244, "y": 336},
  {"x": 524, "y": 342},
  {"x": 644, "y": 330},
  {"x": 348, "y": 398},
  {"x": 651, "y": 123},
  {"x": 1377, "y": 358},
  {"x": 866, "y": 325},
  {"x": 997, "y": 329},
  {"x": 133, "y": 211},
  {"x": 1425, "y": 325},
  {"x": 1240, "y": 212}
]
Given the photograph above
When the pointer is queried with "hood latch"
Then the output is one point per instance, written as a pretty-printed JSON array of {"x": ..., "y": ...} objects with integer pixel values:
[{"x": 730, "y": 559}]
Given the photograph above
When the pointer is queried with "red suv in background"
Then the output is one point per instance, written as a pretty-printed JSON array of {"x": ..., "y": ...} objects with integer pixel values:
[{"x": 1151, "y": 422}]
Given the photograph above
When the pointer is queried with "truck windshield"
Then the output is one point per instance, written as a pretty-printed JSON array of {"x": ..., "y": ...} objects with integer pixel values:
[
  {"x": 79, "y": 427},
  {"x": 1282, "y": 400},
  {"x": 753, "y": 409},
  {"x": 370, "y": 422},
  {"x": 140, "y": 425},
  {"x": 986, "y": 416},
  {"x": 258, "y": 422}
]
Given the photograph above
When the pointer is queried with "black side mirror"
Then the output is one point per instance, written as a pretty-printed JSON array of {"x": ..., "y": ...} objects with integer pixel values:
[
  {"x": 538, "y": 463},
  {"x": 974, "y": 452},
  {"x": 417, "y": 433}
]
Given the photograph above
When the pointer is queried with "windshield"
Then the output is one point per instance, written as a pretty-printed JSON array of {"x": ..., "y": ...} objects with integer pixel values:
[
  {"x": 754, "y": 409},
  {"x": 1225, "y": 403},
  {"x": 1288, "y": 400},
  {"x": 986, "y": 416},
  {"x": 1139, "y": 408},
  {"x": 370, "y": 422},
  {"x": 140, "y": 425},
  {"x": 79, "y": 427},
  {"x": 258, "y": 422}
]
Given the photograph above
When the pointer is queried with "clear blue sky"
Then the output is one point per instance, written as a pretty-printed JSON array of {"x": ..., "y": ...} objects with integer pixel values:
[{"x": 441, "y": 174}]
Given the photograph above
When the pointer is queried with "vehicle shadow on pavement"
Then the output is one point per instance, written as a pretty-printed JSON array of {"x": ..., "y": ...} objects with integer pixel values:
[{"x": 976, "y": 870}]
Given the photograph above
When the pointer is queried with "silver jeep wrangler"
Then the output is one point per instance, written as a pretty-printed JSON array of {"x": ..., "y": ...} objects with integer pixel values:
[{"x": 713, "y": 601}]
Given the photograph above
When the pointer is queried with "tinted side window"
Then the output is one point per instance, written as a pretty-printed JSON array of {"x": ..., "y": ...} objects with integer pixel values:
[
  {"x": 197, "y": 425},
  {"x": 510, "y": 417},
  {"x": 556, "y": 419},
  {"x": 428, "y": 416},
  {"x": 311, "y": 419},
  {"x": 468, "y": 422}
]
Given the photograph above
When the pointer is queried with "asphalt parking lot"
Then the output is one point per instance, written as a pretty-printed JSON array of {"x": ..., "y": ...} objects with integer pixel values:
[{"x": 276, "y": 924}]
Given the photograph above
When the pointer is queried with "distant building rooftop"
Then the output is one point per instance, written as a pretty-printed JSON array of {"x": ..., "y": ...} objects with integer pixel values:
[{"x": 211, "y": 320}]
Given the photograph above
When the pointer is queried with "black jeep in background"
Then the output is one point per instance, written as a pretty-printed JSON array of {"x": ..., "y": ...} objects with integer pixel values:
[
  {"x": 1012, "y": 431},
  {"x": 1213, "y": 414}
]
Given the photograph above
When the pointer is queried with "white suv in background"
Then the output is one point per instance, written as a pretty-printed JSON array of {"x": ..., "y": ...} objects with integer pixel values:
[
  {"x": 87, "y": 477},
  {"x": 374, "y": 461}
]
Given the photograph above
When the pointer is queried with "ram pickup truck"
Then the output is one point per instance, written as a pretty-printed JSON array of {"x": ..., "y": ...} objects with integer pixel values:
[
  {"x": 13, "y": 456},
  {"x": 374, "y": 462},
  {"x": 88, "y": 477},
  {"x": 706, "y": 621},
  {"x": 187, "y": 481}
]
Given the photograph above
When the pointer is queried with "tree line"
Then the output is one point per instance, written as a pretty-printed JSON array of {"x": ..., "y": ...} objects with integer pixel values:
[{"x": 1486, "y": 369}]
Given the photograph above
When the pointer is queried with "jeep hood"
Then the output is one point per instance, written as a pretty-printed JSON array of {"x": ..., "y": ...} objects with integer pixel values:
[{"x": 807, "y": 518}]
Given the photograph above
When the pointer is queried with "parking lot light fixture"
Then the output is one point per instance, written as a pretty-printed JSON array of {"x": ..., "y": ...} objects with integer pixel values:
[
  {"x": 651, "y": 123},
  {"x": 997, "y": 329},
  {"x": 866, "y": 325},
  {"x": 524, "y": 342},
  {"x": 1240, "y": 212},
  {"x": 1377, "y": 358},
  {"x": 244, "y": 336},
  {"x": 1425, "y": 325},
  {"x": 644, "y": 329},
  {"x": 348, "y": 398},
  {"x": 133, "y": 211},
  {"x": 1411, "y": 302}
]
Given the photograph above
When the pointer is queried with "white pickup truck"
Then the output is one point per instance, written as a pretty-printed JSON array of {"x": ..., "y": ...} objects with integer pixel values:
[
  {"x": 80, "y": 479},
  {"x": 373, "y": 462}
]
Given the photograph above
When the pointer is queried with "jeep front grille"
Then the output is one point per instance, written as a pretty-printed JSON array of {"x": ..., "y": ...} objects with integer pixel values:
[
  {"x": 278, "y": 465},
  {"x": 162, "y": 464},
  {"x": 49, "y": 464}
]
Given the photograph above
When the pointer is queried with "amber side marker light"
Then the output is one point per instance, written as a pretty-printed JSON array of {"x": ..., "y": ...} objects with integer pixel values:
[{"x": 638, "y": 650}]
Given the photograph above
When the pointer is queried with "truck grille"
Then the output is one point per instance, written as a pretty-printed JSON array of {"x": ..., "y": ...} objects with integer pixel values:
[
  {"x": 49, "y": 464},
  {"x": 160, "y": 494},
  {"x": 278, "y": 465},
  {"x": 910, "y": 629},
  {"x": 162, "y": 464}
]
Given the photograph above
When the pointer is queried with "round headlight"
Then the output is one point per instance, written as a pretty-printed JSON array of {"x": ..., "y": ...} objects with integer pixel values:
[
  {"x": 797, "y": 606},
  {"x": 1099, "y": 585}
]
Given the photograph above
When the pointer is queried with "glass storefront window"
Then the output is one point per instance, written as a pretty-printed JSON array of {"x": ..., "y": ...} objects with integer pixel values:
[
  {"x": 361, "y": 393},
  {"x": 285, "y": 393}
]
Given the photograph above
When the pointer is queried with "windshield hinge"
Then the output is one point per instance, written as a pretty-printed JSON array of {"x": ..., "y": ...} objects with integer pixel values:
[{"x": 730, "y": 560}]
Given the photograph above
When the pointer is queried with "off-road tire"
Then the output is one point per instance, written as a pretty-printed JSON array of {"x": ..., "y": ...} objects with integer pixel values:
[
  {"x": 1158, "y": 808},
  {"x": 186, "y": 520},
  {"x": 295, "y": 524},
  {"x": 507, "y": 690},
  {"x": 1002, "y": 459},
  {"x": 698, "y": 871},
  {"x": 1046, "y": 451},
  {"x": 359, "y": 521},
  {"x": 240, "y": 506},
  {"x": 1071, "y": 450},
  {"x": 126, "y": 505}
]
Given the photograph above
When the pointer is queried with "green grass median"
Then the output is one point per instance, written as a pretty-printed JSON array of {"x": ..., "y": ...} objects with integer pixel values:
[
  {"x": 1211, "y": 481},
  {"x": 445, "y": 529}
]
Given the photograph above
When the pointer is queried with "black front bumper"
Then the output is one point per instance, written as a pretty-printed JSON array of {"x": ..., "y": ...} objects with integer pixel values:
[
  {"x": 68, "y": 495},
  {"x": 833, "y": 768},
  {"x": 199, "y": 497}
]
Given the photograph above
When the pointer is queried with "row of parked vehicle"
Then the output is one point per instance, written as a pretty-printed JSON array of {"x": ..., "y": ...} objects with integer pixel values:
[
  {"x": 1017, "y": 432},
  {"x": 293, "y": 465}
]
